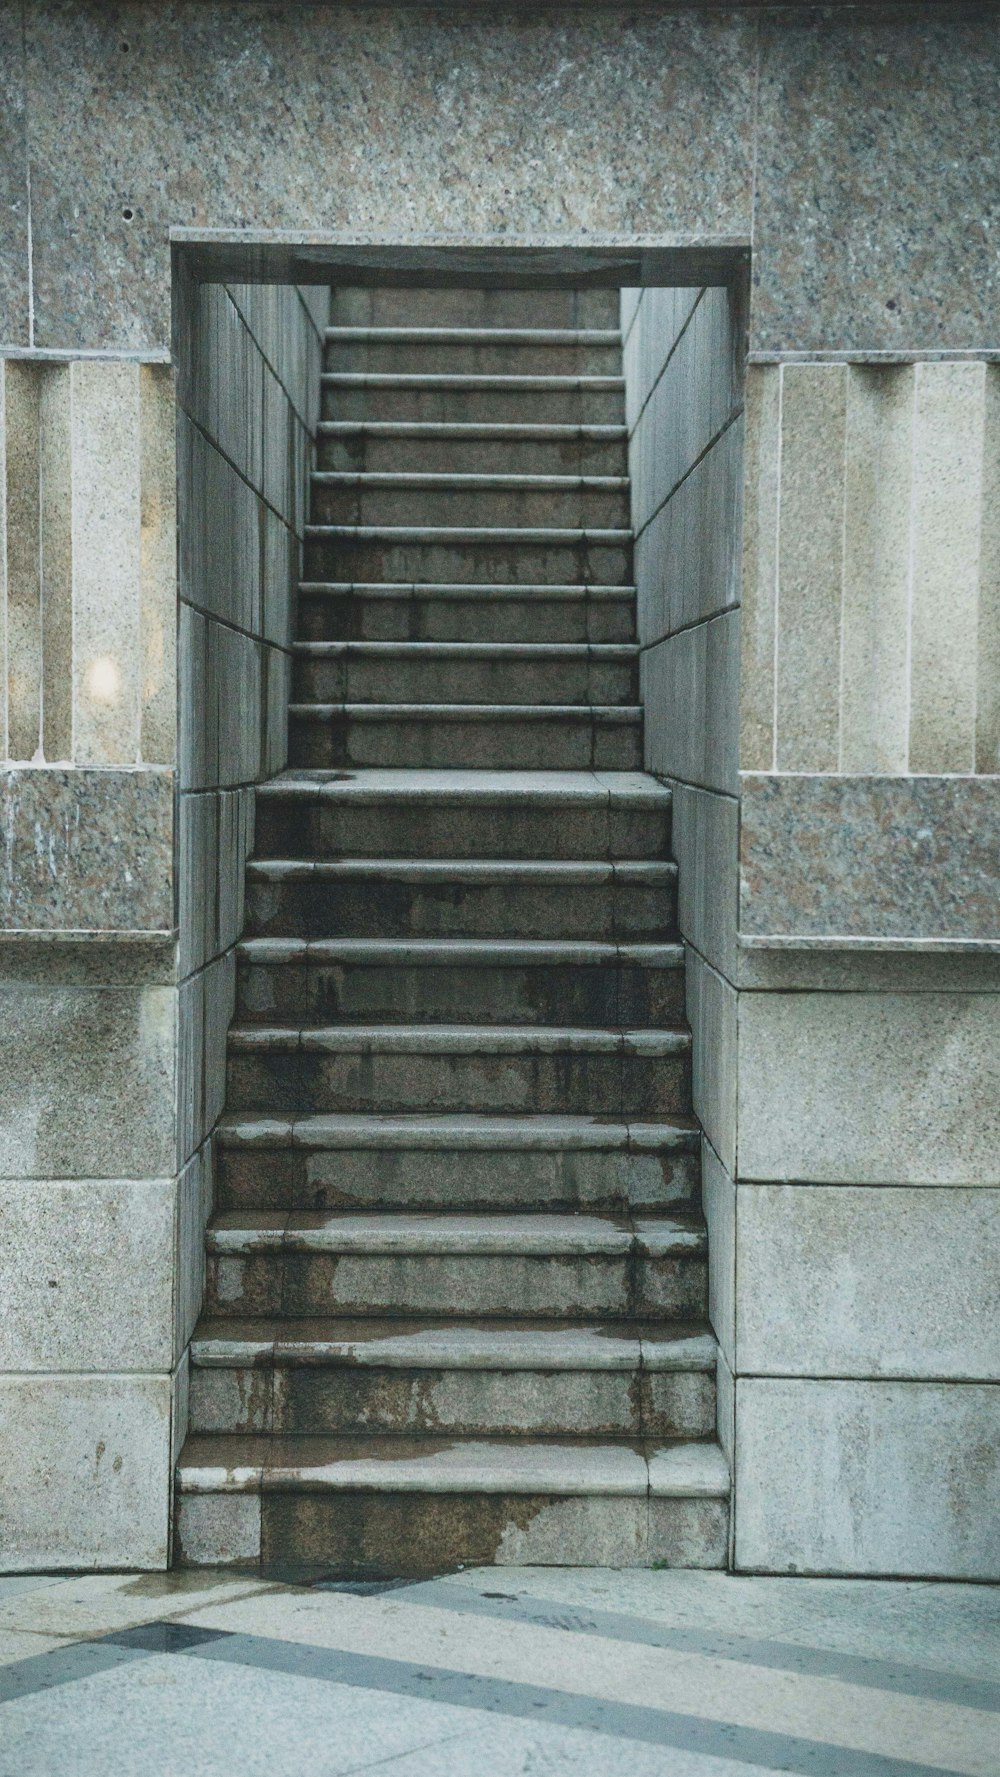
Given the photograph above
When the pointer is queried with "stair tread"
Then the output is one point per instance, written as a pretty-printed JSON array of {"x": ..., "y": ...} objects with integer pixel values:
[
  {"x": 597, "y": 651},
  {"x": 494, "y": 1039},
  {"x": 460, "y": 379},
  {"x": 344, "y": 1129},
  {"x": 555, "y": 871},
  {"x": 477, "y": 589},
  {"x": 543, "y": 336},
  {"x": 462, "y": 952},
  {"x": 476, "y": 533},
  {"x": 538, "y": 430},
  {"x": 468, "y": 786},
  {"x": 428, "y": 1233},
  {"x": 601, "y": 714},
  {"x": 446, "y": 478},
  {"x": 488, "y": 1344},
  {"x": 392, "y": 1463}
]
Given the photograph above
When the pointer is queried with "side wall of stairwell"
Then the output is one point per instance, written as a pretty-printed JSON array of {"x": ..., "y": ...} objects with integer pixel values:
[
  {"x": 248, "y": 401},
  {"x": 833, "y": 848}
]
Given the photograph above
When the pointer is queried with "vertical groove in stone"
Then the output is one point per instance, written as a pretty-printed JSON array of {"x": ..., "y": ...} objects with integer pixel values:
[
  {"x": 874, "y": 691},
  {"x": 24, "y": 629},
  {"x": 988, "y": 629},
  {"x": 760, "y": 540},
  {"x": 157, "y": 564},
  {"x": 106, "y": 555},
  {"x": 56, "y": 562},
  {"x": 810, "y": 566},
  {"x": 947, "y": 495},
  {"x": 4, "y": 749}
]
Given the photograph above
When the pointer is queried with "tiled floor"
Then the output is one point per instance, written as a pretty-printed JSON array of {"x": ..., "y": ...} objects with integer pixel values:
[{"x": 530, "y": 1672}]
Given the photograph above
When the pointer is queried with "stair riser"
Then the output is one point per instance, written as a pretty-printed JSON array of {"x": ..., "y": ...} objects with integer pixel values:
[
  {"x": 400, "y": 678},
  {"x": 373, "y": 907},
  {"x": 417, "y": 357},
  {"x": 372, "y": 1534},
  {"x": 355, "y": 1401},
  {"x": 486, "y": 563},
  {"x": 489, "y": 405},
  {"x": 474, "y": 307},
  {"x": 296, "y": 828},
  {"x": 326, "y": 617},
  {"x": 296, "y": 1285},
  {"x": 376, "y": 453},
  {"x": 528, "y": 744},
  {"x": 452, "y": 1180},
  {"x": 586, "y": 508},
  {"x": 579, "y": 1085},
  {"x": 590, "y": 996}
]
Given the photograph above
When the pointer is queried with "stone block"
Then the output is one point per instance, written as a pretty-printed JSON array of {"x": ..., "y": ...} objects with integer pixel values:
[
  {"x": 718, "y": 1194},
  {"x": 705, "y": 841},
  {"x": 157, "y": 564},
  {"x": 87, "y": 1082},
  {"x": 845, "y": 94},
  {"x": 813, "y": 421},
  {"x": 945, "y": 553},
  {"x": 869, "y": 1088},
  {"x": 86, "y": 850},
  {"x": 759, "y": 587},
  {"x": 218, "y": 1529},
  {"x": 105, "y": 459},
  {"x": 15, "y": 326},
  {"x": 194, "y": 1206},
  {"x": 86, "y": 1274},
  {"x": 848, "y": 860},
  {"x": 20, "y": 578},
  {"x": 55, "y": 461},
  {"x": 690, "y": 692},
  {"x": 864, "y": 1281},
  {"x": 868, "y": 1478},
  {"x": 91, "y": 1485},
  {"x": 711, "y": 1010}
]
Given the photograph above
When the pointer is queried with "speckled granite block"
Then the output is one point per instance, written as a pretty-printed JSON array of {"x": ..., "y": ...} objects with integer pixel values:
[
  {"x": 826, "y": 859},
  {"x": 373, "y": 123},
  {"x": 14, "y": 300},
  {"x": 86, "y": 850},
  {"x": 878, "y": 180}
]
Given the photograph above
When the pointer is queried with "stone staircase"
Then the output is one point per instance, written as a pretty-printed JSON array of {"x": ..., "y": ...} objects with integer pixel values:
[{"x": 456, "y": 1303}]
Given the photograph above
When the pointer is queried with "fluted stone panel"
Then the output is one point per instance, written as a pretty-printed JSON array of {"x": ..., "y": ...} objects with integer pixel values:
[{"x": 871, "y": 590}]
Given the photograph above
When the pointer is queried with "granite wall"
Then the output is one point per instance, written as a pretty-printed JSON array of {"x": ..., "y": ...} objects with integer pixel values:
[{"x": 846, "y": 1080}]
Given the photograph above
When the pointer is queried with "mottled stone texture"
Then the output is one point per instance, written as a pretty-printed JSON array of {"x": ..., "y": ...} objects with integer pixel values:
[
  {"x": 86, "y": 851},
  {"x": 14, "y": 271},
  {"x": 871, "y": 574},
  {"x": 375, "y": 124},
  {"x": 877, "y": 198},
  {"x": 905, "y": 860}
]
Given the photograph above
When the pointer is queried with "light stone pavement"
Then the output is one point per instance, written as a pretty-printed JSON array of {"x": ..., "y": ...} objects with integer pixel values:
[{"x": 525, "y": 1672}]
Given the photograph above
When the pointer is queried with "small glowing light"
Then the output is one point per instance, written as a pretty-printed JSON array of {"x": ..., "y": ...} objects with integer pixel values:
[{"x": 103, "y": 679}]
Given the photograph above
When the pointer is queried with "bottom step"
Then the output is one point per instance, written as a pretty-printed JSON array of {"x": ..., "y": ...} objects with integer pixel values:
[{"x": 400, "y": 1506}]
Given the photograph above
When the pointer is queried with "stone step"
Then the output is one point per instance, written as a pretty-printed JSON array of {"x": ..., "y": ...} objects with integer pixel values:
[
  {"x": 393, "y": 1506},
  {"x": 466, "y": 672},
  {"x": 485, "y": 1378},
  {"x": 475, "y": 306},
  {"x": 459, "y": 1068},
  {"x": 476, "y": 554},
  {"x": 546, "y": 400},
  {"x": 461, "y": 1162},
  {"x": 472, "y": 351},
  {"x": 459, "y": 898},
  {"x": 431, "y": 446},
  {"x": 368, "y": 611},
  {"x": 550, "y": 1266},
  {"x": 502, "y": 737},
  {"x": 405, "y": 497},
  {"x": 463, "y": 814},
  {"x": 458, "y": 981}
]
